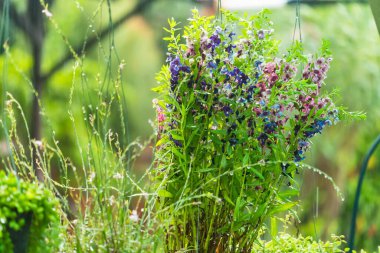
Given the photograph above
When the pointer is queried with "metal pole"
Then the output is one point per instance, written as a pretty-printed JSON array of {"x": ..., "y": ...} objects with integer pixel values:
[
  {"x": 375, "y": 6},
  {"x": 358, "y": 192}
]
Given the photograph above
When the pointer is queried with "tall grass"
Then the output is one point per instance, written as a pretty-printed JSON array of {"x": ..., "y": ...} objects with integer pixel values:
[{"x": 104, "y": 206}]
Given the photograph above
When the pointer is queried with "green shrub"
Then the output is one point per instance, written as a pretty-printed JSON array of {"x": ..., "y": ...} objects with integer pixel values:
[
  {"x": 20, "y": 201},
  {"x": 287, "y": 243}
]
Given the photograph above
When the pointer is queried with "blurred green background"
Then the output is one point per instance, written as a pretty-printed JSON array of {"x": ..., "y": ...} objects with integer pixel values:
[{"x": 355, "y": 71}]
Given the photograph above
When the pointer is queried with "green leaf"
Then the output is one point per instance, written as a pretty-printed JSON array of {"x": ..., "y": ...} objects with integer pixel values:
[
  {"x": 225, "y": 196},
  {"x": 237, "y": 209},
  {"x": 282, "y": 207},
  {"x": 273, "y": 227},
  {"x": 223, "y": 162},
  {"x": 192, "y": 137},
  {"x": 246, "y": 159},
  {"x": 288, "y": 193},
  {"x": 206, "y": 170},
  {"x": 161, "y": 141},
  {"x": 177, "y": 137},
  {"x": 178, "y": 154},
  {"x": 159, "y": 89},
  {"x": 257, "y": 173},
  {"x": 221, "y": 132},
  {"x": 164, "y": 193}
]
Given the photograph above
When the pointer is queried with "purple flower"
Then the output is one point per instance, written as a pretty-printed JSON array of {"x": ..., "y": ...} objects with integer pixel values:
[
  {"x": 263, "y": 137},
  {"x": 261, "y": 34},
  {"x": 270, "y": 127},
  {"x": 176, "y": 142},
  {"x": 229, "y": 48},
  {"x": 185, "y": 69},
  {"x": 175, "y": 67},
  {"x": 239, "y": 76},
  {"x": 215, "y": 40},
  {"x": 204, "y": 85},
  {"x": 320, "y": 61},
  {"x": 231, "y": 34},
  {"x": 242, "y": 100},
  {"x": 224, "y": 71},
  {"x": 211, "y": 65},
  {"x": 303, "y": 144},
  {"x": 227, "y": 110},
  {"x": 270, "y": 67},
  {"x": 272, "y": 79}
]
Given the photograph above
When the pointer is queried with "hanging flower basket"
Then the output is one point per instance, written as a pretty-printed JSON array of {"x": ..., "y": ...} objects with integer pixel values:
[
  {"x": 234, "y": 120},
  {"x": 20, "y": 237}
]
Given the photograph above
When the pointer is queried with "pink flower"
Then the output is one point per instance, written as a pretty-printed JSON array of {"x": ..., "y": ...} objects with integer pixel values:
[
  {"x": 160, "y": 117},
  {"x": 270, "y": 68},
  {"x": 272, "y": 79}
]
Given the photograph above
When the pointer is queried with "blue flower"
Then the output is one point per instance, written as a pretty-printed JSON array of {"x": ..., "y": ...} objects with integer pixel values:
[
  {"x": 211, "y": 65},
  {"x": 258, "y": 64},
  {"x": 303, "y": 144},
  {"x": 242, "y": 100},
  {"x": 263, "y": 137},
  {"x": 231, "y": 34},
  {"x": 230, "y": 48},
  {"x": 227, "y": 110},
  {"x": 270, "y": 127},
  {"x": 240, "y": 77},
  {"x": 227, "y": 87},
  {"x": 315, "y": 128},
  {"x": 298, "y": 155},
  {"x": 233, "y": 141}
]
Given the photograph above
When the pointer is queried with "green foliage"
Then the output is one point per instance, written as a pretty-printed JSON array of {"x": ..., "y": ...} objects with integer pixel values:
[
  {"x": 287, "y": 243},
  {"x": 104, "y": 205},
  {"x": 96, "y": 196},
  {"x": 18, "y": 199}
]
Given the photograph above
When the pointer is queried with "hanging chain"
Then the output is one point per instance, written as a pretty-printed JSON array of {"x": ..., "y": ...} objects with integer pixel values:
[
  {"x": 297, "y": 23},
  {"x": 219, "y": 11}
]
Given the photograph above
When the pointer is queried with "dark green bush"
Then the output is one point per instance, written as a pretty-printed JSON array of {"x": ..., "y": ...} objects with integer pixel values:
[{"x": 21, "y": 201}]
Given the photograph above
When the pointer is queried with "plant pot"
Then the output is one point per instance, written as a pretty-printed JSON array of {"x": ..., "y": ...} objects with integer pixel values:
[{"x": 20, "y": 238}]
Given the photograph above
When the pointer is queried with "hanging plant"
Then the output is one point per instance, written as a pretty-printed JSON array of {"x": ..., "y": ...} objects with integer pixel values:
[
  {"x": 28, "y": 216},
  {"x": 235, "y": 118}
]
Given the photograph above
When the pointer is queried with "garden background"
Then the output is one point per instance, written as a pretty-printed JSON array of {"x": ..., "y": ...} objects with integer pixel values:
[{"x": 37, "y": 48}]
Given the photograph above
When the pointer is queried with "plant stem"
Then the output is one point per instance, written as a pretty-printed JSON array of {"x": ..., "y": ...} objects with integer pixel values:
[{"x": 210, "y": 230}]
